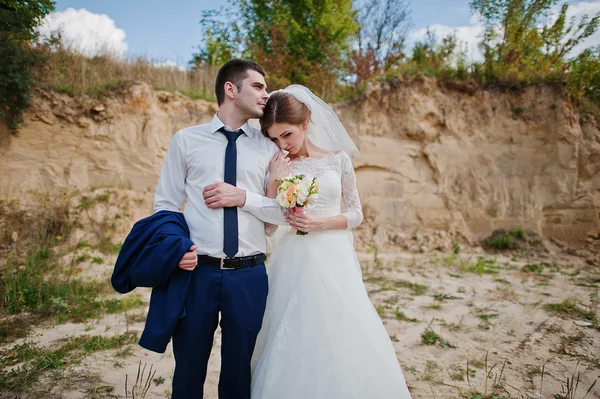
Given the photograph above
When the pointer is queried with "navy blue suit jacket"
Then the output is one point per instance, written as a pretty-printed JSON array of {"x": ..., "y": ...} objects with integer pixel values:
[{"x": 149, "y": 258}]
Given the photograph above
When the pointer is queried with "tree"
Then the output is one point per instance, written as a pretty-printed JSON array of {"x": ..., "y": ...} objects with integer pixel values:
[
  {"x": 19, "y": 18},
  {"x": 382, "y": 29},
  {"x": 444, "y": 59},
  {"x": 584, "y": 74},
  {"x": 299, "y": 41},
  {"x": 223, "y": 39},
  {"x": 561, "y": 38},
  {"x": 18, "y": 22},
  {"x": 521, "y": 42}
]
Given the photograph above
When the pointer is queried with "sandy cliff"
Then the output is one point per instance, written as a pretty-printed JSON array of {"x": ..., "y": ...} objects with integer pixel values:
[
  {"x": 69, "y": 143},
  {"x": 435, "y": 161},
  {"x": 441, "y": 159}
]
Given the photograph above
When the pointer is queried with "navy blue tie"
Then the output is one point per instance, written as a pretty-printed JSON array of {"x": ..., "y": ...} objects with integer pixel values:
[{"x": 230, "y": 220}]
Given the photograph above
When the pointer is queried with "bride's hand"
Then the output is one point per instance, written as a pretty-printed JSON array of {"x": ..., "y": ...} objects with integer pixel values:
[
  {"x": 280, "y": 166},
  {"x": 304, "y": 222}
]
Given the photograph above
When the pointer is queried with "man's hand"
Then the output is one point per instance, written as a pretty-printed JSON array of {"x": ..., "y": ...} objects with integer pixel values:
[
  {"x": 189, "y": 260},
  {"x": 224, "y": 195}
]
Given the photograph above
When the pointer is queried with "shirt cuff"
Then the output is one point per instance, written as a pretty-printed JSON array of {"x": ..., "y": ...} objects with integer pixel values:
[{"x": 254, "y": 202}]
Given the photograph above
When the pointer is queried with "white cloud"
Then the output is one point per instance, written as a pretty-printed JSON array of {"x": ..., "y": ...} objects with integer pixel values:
[
  {"x": 578, "y": 10},
  {"x": 469, "y": 36},
  {"x": 85, "y": 32}
]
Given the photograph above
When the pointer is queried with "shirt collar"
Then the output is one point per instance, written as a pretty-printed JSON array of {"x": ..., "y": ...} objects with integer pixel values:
[{"x": 217, "y": 124}]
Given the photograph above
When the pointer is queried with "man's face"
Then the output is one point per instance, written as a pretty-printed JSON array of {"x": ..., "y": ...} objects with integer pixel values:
[{"x": 252, "y": 97}]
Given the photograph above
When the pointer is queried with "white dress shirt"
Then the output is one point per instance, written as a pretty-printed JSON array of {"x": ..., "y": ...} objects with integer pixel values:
[{"x": 195, "y": 159}]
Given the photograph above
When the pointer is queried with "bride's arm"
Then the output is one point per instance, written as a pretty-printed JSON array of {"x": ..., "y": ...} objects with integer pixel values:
[
  {"x": 272, "y": 186},
  {"x": 350, "y": 196},
  {"x": 265, "y": 207}
]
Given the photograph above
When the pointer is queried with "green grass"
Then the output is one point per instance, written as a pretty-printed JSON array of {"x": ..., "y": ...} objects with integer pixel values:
[
  {"x": 476, "y": 363},
  {"x": 89, "y": 202},
  {"x": 101, "y": 391},
  {"x": 387, "y": 286},
  {"x": 571, "y": 309},
  {"x": 517, "y": 110},
  {"x": 34, "y": 361},
  {"x": 124, "y": 352},
  {"x": 391, "y": 285},
  {"x": 539, "y": 268},
  {"x": 485, "y": 318},
  {"x": 402, "y": 317},
  {"x": 566, "y": 341},
  {"x": 488, "y": 316},
  {"x": 97, "y": 261},
  {"x": 122, "y": 305},
  {"x": 108, "y": 247},
  {"x": 430, "y": 337},
  {"x": 200, "y": 95},
  {"x": 417, "y": 289},
  {"x": 33, "y": 283},
  {"x": 433, "y": 306},
  {"x": 97, "y": 92},
  {"x": 194, "y": 94},
  {"x": 479, "y": 395},
  {"x": 502, "y": 239},
  {"x": 465, "y": 265},
  {"x": 82, "y": 258},
  {"x": 458, "y": 373},
  {"x": 456, "y": 247},
  {"x": 450, "y": 260},
  {"x": 481, "y": 267},
  {"x": 444, "y": 297},
  {"x": 15, "y": 327},
  {"x": 38, "y": 284}
]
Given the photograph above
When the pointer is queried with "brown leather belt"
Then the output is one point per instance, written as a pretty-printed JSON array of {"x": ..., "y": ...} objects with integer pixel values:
[{"x": 233, "y": 263}]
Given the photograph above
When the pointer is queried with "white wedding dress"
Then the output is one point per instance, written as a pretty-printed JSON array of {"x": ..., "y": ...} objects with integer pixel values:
[{"x": 321, "y": 337}]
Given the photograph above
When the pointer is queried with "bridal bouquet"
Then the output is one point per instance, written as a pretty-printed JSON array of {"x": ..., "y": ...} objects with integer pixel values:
[{"x": 295, "y": 192}]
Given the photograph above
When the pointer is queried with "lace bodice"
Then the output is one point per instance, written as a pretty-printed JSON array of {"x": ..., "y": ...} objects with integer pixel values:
[{"x": 337, "y": 181}]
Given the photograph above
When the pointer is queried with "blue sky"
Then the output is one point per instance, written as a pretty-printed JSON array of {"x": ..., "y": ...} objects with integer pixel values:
[{"x": 169, "y": 30}]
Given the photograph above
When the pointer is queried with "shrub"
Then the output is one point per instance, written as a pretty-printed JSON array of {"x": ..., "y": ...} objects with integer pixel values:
[
  {"x": 501, "y": 239},
  {"x": 18, "y": 23}
]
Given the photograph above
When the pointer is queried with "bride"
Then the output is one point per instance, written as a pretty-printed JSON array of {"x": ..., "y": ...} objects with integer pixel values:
[{"x": 321, "y": 337}]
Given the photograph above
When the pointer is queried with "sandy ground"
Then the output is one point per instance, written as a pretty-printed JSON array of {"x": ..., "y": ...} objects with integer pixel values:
[{"x": 499, "y": 316}]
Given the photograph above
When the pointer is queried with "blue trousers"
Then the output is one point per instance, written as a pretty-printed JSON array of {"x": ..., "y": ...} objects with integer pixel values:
[{"x": 240, "y": 295}]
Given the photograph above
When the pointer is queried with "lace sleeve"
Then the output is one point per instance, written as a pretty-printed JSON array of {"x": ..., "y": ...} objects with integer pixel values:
[
  {"x": 350, "y": 194},
  {"x": 270, "y": 229}
]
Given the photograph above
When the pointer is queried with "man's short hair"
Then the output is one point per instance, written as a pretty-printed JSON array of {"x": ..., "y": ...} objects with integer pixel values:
[{"x": 234, "y": 71}]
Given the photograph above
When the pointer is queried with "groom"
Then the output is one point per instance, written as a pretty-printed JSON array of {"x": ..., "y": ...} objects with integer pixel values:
[{"x": 227, "y": 259}]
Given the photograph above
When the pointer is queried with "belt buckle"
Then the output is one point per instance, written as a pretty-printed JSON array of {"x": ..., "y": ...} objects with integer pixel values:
[{"x": 222, "y": 267}]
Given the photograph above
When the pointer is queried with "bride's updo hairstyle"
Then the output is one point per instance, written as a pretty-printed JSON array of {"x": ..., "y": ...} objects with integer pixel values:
[{"x": 283, "y": 108}]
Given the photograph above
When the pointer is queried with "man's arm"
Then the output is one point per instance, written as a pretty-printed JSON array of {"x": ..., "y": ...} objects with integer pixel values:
[
  {"x": 170, "y": 192},
  {"x": 223, "y": 195}
]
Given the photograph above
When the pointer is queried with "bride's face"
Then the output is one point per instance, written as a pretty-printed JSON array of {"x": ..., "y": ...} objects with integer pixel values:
[{"x": 288, "y": 137}]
